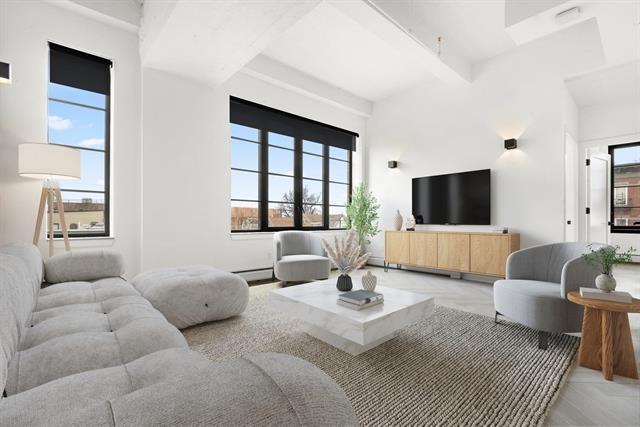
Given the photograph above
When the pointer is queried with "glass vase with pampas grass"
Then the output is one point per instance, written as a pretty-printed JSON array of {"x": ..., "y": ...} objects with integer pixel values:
[{"x": 346, "y": 256}]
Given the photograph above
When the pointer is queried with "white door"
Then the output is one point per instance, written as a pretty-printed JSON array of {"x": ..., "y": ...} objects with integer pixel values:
[
  {"x": 570, "y": 189},
  {"x": 598, "y": 198}
]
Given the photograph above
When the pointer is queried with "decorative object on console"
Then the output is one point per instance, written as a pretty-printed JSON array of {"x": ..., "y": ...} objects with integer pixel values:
[
  {"x": 49, "y": 162},
  {"x": 346, "y": 257},
  {"x": 410, "y": 223},
  {"x": 392, "y": 164},
  {"x": 5, "y": 73},
  {"x": 510, "y": 144},
  {"x": 362, "y": 214},
  {"x": 369, "y": 281},
  {"x": 604, "y": 259},
  {"x": 397, "y": 221}
]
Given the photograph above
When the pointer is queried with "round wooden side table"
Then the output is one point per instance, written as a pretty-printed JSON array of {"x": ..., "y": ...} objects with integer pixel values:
[{"x": 606, "y": 337}]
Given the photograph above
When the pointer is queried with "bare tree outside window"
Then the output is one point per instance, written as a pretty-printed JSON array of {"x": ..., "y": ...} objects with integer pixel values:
[{"x": 310, "y": 203}]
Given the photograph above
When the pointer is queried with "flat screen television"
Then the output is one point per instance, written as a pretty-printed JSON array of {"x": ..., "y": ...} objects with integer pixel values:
[{"x": 456, "y": 198}]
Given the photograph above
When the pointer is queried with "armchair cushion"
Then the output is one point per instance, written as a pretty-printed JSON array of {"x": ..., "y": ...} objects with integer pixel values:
[
  {"x": 83, "y": 265},
  {"x": 302, "y": 267},
  {"x": 536, "y": 304}
]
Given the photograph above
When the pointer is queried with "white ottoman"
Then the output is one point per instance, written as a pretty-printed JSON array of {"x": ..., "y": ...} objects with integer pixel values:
[{"x": 192, "y": 295}]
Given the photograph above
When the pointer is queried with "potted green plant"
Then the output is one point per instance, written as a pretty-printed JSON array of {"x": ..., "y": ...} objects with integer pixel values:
[
  {"x": 362, "y": 214},
  {"x": 604, "y": 259}
]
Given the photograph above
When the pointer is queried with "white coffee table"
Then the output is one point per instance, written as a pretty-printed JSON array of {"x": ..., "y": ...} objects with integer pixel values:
[{"x": 349, "y": 330}]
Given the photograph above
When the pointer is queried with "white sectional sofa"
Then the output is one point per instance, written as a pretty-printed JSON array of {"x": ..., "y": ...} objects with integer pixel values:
[{"x": 92, "y": 351}]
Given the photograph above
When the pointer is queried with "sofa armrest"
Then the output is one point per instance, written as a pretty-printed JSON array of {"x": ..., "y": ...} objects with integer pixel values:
[
  {"x": 83, "y": 265},
  {"x": 577, "y": 273},
  {"x": 277, "y": 248}
]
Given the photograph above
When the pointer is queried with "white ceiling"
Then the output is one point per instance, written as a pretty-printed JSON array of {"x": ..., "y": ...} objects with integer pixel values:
[
  {"x": 616, "y": 84},
  {"x": 474, "y": 28},
  {"x": 368, "y": 48},
  {"x": 336, "y": 49}
]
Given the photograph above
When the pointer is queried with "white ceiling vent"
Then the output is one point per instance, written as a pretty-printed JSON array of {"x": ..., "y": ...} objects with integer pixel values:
[{"x": 568, "y": 16}]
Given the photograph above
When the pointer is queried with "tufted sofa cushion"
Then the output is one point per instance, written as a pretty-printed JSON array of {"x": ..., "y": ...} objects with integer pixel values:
[
  {"x": 192, "y": 295},
  {"x": 182, "y": 387},
  {"x": 81, "y": 326},
  {"x": 83, "y": 265}
]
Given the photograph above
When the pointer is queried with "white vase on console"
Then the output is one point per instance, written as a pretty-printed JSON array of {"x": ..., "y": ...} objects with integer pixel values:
[{"x": 397, "y": 221}]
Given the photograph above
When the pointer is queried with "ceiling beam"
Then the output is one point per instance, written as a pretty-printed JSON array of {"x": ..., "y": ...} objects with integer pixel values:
[
  {"x": 390, "y": 21},
  {"x": 282, "y": 75},
  {"x": 211, "y": 41}
]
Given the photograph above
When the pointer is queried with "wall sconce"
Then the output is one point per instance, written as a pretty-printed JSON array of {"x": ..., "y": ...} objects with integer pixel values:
[
  {"x": 510, "y": 144},
  {"x": 392, "y": 164},
  {"x": 5, "y": 73}
]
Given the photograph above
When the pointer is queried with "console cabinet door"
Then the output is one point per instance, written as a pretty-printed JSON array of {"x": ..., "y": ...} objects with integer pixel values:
[
  {"x": 424, "y": 249},
  {"x": 453, "y": 251},
  {"x": 397, "y": 247},
  {"x": 489, "y": 254}
]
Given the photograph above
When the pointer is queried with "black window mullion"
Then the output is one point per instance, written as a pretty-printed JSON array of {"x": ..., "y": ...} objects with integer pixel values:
[
  {"x": 263, "y": 189},
  {"x": 297, "y": 183},
  {"x": 325, "y": 186},
  {"x": 107, "y": 166},
  {"x": 350, "y": 153}
]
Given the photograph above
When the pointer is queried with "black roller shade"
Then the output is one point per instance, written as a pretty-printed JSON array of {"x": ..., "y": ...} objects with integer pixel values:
[
  {"x": 258, "y": 116},
  {"x": 77, "y": 69}
]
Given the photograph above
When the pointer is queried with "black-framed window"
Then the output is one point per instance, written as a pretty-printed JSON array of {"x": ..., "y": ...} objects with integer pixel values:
[
  {"x": 287, "y": 172},
  {"x": 79, "y": 117},
  {"x": 625, "y": 188}
]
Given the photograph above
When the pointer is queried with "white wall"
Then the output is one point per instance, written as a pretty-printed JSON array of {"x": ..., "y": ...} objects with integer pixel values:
[
  {"x": 602, "y": 125},
  {"x": 186, "y": 175},
  {"x": 435, "y": 129},
  {"x": 25, "y": 29}
]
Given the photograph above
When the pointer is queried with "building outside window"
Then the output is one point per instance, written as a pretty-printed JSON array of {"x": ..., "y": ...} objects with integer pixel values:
[
  {"x": 79, "y": 117},
  {"x": 287, "y": 172},
  {"x": 625, "y": 191}
]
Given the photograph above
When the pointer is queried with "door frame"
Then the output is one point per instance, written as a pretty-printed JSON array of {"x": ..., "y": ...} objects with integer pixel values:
[{"x": 606, "y": 158}]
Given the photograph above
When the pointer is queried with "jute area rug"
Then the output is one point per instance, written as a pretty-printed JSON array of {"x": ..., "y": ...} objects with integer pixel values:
[{"x": 465, "y": 371}]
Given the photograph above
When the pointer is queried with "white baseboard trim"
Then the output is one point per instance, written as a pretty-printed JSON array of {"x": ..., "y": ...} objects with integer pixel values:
[
  {"x": 250, "y": 276},
  {"x": 379, "y": 262}
]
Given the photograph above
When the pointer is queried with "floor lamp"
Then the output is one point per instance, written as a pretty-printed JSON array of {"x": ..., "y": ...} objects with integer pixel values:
[{"x": 50, "y": 163}]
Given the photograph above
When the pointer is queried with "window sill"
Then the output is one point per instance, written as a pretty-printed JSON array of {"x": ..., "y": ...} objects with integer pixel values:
[
  {"x": 84, "y": 242},
  {"x": 61, "y": 239}
]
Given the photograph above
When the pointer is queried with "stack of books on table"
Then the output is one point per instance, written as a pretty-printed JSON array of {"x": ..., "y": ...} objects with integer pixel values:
[
  {"x": 359, "y": 300},
  {"x": 615, "y": 296}
]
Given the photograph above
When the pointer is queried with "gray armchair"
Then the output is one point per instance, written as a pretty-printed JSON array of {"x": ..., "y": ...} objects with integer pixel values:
[
  {"x": 299, "y": 257},
  {"x": 537, "y": 282}
]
